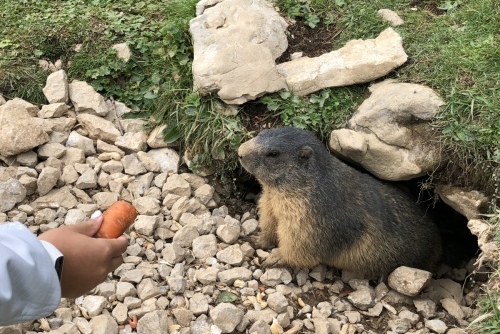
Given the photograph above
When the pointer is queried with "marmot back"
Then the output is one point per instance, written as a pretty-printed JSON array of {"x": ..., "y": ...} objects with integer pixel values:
[{"x": 317, "y": 209}]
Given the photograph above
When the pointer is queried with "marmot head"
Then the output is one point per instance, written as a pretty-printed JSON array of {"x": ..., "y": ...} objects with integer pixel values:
[{"x": 282, "y": 156}]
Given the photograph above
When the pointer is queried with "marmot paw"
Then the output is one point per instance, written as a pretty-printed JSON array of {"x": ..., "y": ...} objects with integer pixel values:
[
  {"x": 258, "y": 242},
  {"x": 273, "y": 260}
]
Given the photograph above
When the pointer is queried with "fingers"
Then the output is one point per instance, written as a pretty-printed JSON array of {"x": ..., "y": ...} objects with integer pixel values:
[
  {"x": 91, "y": 226},
  {"x": 117, "y": 246}
]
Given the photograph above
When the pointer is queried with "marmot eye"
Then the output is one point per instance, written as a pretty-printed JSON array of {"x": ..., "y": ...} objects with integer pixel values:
[{"x": 273, "y": 154}]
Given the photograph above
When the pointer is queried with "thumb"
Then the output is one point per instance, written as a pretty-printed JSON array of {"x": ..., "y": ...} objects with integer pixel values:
[{"x": 91, "y": 226}]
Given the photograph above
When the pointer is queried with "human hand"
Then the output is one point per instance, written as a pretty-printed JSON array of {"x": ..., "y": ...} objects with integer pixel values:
[{"x": 87, "y": 260}]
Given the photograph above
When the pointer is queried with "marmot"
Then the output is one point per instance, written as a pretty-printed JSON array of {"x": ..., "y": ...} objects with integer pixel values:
[{"x": 319, "y": 210}]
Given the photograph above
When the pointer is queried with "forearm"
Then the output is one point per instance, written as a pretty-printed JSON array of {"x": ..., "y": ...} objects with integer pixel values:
[{"x": 29, "y": 286}]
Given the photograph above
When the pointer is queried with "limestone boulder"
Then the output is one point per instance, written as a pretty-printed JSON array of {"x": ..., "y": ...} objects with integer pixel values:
[
  {"x": 20, "y": 132},
  {"x": 98, "y": 128},
  {"x": 56, "y": 87},
  {"x": 235, "y": 45},
  {"x": 472, "y": 204},
  {"x": 389, "y": 134},
  {"x": 359, "y": 61},
  {"x": 86, "y": 100},
  {"x": 11, "y": 192}
]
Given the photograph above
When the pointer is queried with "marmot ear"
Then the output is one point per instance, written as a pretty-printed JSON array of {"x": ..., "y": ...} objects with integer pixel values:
[{"x": 305, "y": 153}]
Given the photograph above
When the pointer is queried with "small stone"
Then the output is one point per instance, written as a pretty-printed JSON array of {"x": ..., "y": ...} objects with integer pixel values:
[
  {"x": 93, "y": 305},
  {"x": 204, "y": 246},
  {"x": 275, "y": 276},
  {"x": 436, "y": 325},
  {"x": 226, "y": 317},
  {"x": 277, "y": 302},
  {"x": 453, "y": 308},
  {"x": 228, "y": 233},
  {"x": 400, "y": 326},
  {"x": 364, "y": 298},
  {"x": 409, "y": 281},
  {"x": 426, "y": 307},
  {"x": 231, "y": 255},
  {"x": 391, "y": 17},
  {"x": 353, "y": 316}
]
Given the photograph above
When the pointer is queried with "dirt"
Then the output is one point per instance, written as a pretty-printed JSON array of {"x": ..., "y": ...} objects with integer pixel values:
[{"x": 312, "y": 42}]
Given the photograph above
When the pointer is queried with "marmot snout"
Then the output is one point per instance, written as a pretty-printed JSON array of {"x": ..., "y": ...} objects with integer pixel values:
[{"x": 317, "y": 209}]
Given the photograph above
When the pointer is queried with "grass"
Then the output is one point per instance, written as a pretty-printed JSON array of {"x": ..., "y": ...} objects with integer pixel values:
[{"x": 489, "y": 320}]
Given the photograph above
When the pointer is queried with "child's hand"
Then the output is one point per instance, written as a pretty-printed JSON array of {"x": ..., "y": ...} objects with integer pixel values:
[{"x": 87, "y": 260}]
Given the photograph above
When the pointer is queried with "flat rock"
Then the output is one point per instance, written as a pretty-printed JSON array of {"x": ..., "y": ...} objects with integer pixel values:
[
  {"x": 53, "y": 110},
  {"x": 359, "y": 61},
  {"x": 86, "y": 100},
  {"x": 56, "y": 198},
  {"x": 98, "y": 128}
]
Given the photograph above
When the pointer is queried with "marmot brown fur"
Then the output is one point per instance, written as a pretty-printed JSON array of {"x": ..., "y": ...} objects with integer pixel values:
[{"x": 319, "y": 210}]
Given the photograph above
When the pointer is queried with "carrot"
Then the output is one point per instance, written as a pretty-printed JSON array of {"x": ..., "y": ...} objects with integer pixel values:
[{"x": 116, "y": 220}]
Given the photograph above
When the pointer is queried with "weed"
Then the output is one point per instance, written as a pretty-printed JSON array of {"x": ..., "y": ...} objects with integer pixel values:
[
  {"x": 321, "y": 112},
  {"x": 489, "y": 321},
  {"x": 210, "y": 137}
]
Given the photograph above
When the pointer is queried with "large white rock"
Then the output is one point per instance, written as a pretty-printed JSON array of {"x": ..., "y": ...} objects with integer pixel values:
[
  {"x": 390, "y": 135},
  {"x": 86, "y": 100},
  {"x": 98, "y": 128},
  {"x": 235, "y": 45},
  {"x": 357, "y": 62},
  {"x": 56, "y": 87},
  {"x": 20, "y": 132}
]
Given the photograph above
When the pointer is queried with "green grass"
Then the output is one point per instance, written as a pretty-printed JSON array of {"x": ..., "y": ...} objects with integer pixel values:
[{"x": 489, "y": 320}]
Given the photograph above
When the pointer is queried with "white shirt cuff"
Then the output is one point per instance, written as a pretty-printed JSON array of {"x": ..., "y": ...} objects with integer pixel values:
[{"x": 54, "y": 253}]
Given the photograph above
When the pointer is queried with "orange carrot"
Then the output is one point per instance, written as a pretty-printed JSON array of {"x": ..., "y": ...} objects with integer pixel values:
[{"x": 116, "y": 220}]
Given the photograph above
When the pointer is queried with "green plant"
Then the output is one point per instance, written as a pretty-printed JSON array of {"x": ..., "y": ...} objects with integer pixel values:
[
  {"x": 311, "y": 12},
  {"x": 489, "y": 320},
  {"x": 210, "y": 137},
  {"x": 320, "y": 112}
]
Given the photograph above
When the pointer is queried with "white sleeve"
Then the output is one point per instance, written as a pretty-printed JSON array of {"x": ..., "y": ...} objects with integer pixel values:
[{"x": 29, "y": 286}]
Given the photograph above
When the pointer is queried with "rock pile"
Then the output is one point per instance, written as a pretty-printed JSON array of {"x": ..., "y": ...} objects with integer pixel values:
[{"x": 187, "y": 268}]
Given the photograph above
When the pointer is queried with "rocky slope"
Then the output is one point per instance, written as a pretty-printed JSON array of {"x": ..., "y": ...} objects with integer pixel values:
[{"x": 187, "y": 268}]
